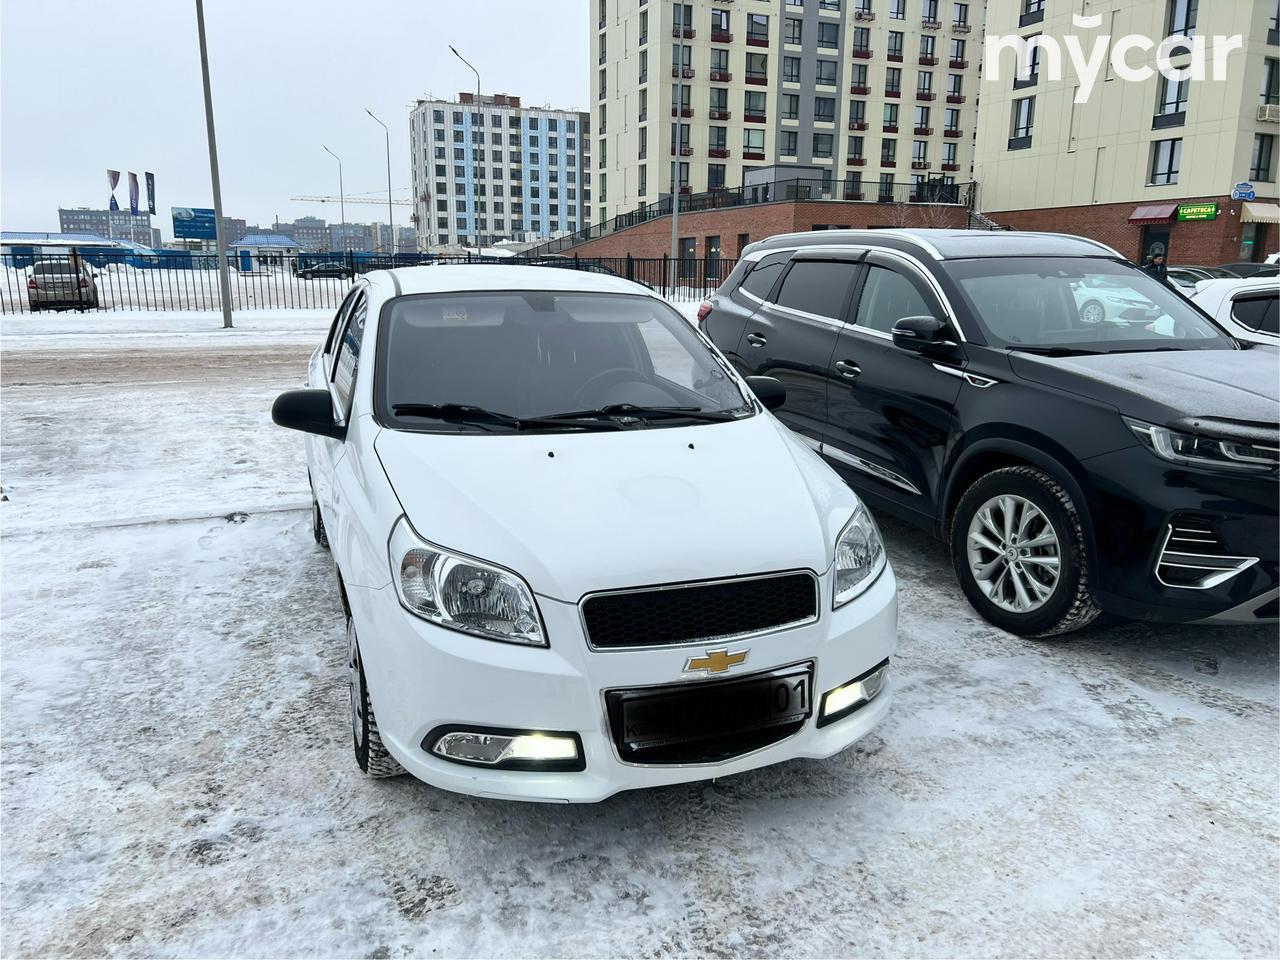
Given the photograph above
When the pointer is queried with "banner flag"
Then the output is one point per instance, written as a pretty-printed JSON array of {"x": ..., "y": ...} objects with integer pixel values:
[
  {"x": 151, "y": 193},
  {"x": 133, "y": 193},
  {"x": 114, "y": 205},
  {"x": 113, "y": 177}
]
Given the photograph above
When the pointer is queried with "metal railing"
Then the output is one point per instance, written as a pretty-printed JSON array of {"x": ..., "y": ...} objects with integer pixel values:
[
  {"x": 175, "y": 280},
  {"x": 869, "y": 190}
]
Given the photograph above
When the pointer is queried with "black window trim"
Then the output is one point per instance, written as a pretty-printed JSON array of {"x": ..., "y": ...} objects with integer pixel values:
[
  {"x": 1246, "y": 296},
  {"x": 342, "y": 411},
  {"x": 853, "y": 257}
]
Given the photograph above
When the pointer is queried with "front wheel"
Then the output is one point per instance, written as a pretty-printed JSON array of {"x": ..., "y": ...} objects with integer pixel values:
[
  {"x": 1018, "y": 547},
  {"x": 371, "y": 756},
  {"x": 1093, "y": 312}
]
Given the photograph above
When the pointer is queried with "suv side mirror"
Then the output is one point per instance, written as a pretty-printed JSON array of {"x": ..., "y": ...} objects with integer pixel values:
[
  {"x": 310, "y": 411},
  {"x": 769, "y": 391},
  {"x": 927, "y": 335}
]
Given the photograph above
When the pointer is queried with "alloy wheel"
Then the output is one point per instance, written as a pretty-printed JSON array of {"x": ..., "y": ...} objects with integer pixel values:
[{"x": 1014, "y": 553}]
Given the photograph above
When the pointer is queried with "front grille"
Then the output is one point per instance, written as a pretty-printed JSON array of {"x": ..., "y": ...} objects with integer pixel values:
[
  {"x": 697, "y": 612},
  {"x": 1193, "y": 557}
]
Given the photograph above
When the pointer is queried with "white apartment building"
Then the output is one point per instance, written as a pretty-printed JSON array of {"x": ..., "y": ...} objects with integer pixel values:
[
  {"x": 849, "y": 96},
  {"x": 493, "y": 169}
]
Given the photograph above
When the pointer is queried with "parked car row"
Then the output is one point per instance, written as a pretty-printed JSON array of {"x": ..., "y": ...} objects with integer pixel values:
[{"x": 584, "y": 548}]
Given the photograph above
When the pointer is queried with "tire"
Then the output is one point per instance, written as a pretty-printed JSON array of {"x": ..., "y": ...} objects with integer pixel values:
[
  {"x": 1094, "y": 309},
  {"x": 317, "y": 525},
  {"x": 1041, "y": 588},
  {"x": 372, "y": 757}
]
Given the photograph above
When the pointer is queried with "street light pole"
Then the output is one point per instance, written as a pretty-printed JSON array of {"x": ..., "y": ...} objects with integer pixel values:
[
  {"x": 391, "y": 226},
  {"x": 675, "y": 165},
  {"x": 220, "y": 241},
  {"x": 342, "y": 197},
  {"x": 473, "y": 70}
]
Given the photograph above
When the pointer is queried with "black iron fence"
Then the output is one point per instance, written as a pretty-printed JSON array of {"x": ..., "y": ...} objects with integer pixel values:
[{"x": 105, "y": 279}]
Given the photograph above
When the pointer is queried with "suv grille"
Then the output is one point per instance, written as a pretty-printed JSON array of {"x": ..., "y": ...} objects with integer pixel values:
[
  {"x": 694, "y": 612},
  {"x": 1194, "y": 558}
]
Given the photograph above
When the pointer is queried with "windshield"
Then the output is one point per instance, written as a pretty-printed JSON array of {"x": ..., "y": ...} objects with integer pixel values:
[
  {"x": 1079, "y": 304},
  {"x": 496, "y": 358}
]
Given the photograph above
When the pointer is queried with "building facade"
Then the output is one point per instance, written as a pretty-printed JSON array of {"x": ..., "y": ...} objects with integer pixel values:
[
  {"x": 493, "y": 169},
  {"x": 114, "y": 224},
  {"x": 1146, "y": 166},
  {"x": 856, "y": 99}
]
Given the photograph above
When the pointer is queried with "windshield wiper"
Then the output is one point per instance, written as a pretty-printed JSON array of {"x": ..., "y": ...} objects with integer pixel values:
[
  {"x": 1056, "y": 351},
  {"x": 631, "y": 410},
  {"x": 466, "y": 413}
]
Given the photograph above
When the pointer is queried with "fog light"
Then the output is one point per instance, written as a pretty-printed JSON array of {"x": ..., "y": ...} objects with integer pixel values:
[
  {"x": 848, "y": 697},
  {"x": 507, "y": 749}
]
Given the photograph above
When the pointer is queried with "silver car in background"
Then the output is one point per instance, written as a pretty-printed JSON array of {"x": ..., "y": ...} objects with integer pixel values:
[{"x": 62, "y": 285}]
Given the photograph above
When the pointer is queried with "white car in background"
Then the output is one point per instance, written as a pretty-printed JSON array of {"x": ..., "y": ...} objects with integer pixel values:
[
  {"x": 1104, "y": 298},
  {"x": 577, "y": 553},
  {"x": 1246, "y": 309}
]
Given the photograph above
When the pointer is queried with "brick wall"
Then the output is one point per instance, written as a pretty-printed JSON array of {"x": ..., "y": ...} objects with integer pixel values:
[
  {"x": 1195, "y": 243},
  {"x": 653, "y": 238}
]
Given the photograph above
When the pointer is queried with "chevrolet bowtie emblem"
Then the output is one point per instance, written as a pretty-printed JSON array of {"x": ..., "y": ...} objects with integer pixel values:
[{"x": 716, "y": 661}]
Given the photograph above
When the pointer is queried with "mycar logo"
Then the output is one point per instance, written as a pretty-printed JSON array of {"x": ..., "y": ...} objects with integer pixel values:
[{"x": 1089, "y": 65}]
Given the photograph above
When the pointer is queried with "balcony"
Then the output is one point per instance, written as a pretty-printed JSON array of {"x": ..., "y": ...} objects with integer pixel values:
[
  {"x": 857, "y": 161},
  {"x": 755, "y": 40},
  {"x": 683, "y": 111},
  {"x": 719, "y": 114},
  {"x": 960, "y": 28},
  {"x": 721, "y": 76},
  {"x": 958, "y": 64},
  {"x": 894, "y": 58},
  {"x": 953, "y": 134},
  {"x": 857, "y": 124},
  {"x": 758, "y": 79},
  {"x": 685, "y": 188},
  {"x": 754, "y": 118},
  {"x": 685, "y": 72},
  {"x": 955, "y": 98},
  {"x": 853, "y": 195},
  {"x": 889, "y": 128},
  {"x": 893, "y": 94},
  {"x": 950, "y": 167},
  {"x": 684, "y": 151},
  {"x": 931, "y": 24},
  {"x": 919, "y": 164},
  {"x": 751, "y": 155},
  {"x": 721, "y": 36},
  {"x": 885, "y": 198},
  {"x": 927, "y": 61},
  {"x": 859, "y": 91},
  {"x": 864, "y": 15},
  {"x": 687, "y": 32},
  {"x": 719, "y": 153},
  {"x": 926, "y": 95},
  {"x": 924, "y": 131},
  {"x": 888, "y": 163},
  {"x": 861, "y": 53}
]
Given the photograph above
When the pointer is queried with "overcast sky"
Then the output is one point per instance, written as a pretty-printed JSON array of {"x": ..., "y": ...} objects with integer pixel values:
[{"x": 87, "y": 85}]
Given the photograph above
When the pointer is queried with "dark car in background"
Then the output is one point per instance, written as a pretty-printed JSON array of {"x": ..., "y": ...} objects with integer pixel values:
[
  {"x": 1076, "y": 460},
  {"x": 335, "y": 269}
]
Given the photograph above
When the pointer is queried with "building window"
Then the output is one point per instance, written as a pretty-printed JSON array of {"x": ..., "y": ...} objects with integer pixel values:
[
  {"x": 753, "y": 103},
  {"x": 1182, "y": 17},
  {"x": 719, "y": 63},
  {"x": 604, "y": 84},
  {"x": 930, "y": 12},
  {"x": 924, "y": 81},
  {"x": 891, "y": 117},
  {"x": 922, "y": 118},
  {"x": 791, "y": 106},
  {"x": 1166, "y": 158},
  {"x": 753, "y": 141},
  {"x": 897, "y": 9},
  {"x": 952, "y": 119},
  {"x": 1271, "y": 80},
  {"x": 1262, "y": 167},
  {"x": 715, "y": 176},
  {"x": 758, "y": 28},
  {"x": 1024, "y": 116},
  {"x": 718, "y": 138},
  {"x": 855, "y": 148},
  {"x": 790, "y": 69},
  {"x": 858, "y": 76},
  {"x": 861, "y": 39},
  {"x": 895, "y": 43},
  {"x": 788, "y": 142},
  {"x": 824, "y": 109},
  {"x": 792, "y": 30},
  {"x": 857, "y": 111},
  {"x": 644, "y": 180},
  {"x": 830, "y": 5},
  {"x": 928, "y": 45},
  {"x": 829, "y": 35},
  {"x": 643, "y": 148},
  {"x": 950, "y": 152},
  {"x": 960, "y": 14},
  {"x": 919, "y": 151},
  {"x": 955, "y": 85},
  {"x": 892, "y": 80},
  {"x": 719, "y": 102},
  {"x": 826, "y": 75},
  {"x": 758, "y": 66},
  {"x": 888, "y": 152},
  {"x": 1172, "y": 102},
  {"x": 823, "y": 143}
]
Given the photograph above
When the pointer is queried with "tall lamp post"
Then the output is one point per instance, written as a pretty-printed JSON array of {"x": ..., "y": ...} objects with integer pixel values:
[
  {"x": 391, "y": 226},
  {"x": 220, "y": 234},
  {"x": 675, "y": 165},
  {"x": 479, "y": 239},
  {"x": 342, "y": 197}
]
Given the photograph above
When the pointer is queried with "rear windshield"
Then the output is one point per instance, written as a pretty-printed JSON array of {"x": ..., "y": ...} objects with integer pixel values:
[
  {"x": 536, "y": 354},
  {"x": 53, "y": 268},
  {"x": 1079, "y": 303}
]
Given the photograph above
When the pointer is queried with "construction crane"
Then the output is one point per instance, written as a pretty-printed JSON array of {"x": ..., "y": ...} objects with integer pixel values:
[{"x": 402, "y": 203}]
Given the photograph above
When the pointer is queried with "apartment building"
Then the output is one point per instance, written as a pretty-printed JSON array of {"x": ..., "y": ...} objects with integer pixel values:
[
  {"x": 1182, "y": 167},
  {"x": 489, "y": 169},
  {"x": 113, "y": 224},
  {"x": 850, "y": 97}
]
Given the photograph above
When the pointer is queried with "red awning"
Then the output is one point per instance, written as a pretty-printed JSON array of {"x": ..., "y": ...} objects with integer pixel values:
[{"x": 1154, "y": 213}]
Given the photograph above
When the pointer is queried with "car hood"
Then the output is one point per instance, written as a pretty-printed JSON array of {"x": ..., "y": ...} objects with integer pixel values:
[
  {"x": 579, "y": 512},
  {"x": 1185, "y": 388}
]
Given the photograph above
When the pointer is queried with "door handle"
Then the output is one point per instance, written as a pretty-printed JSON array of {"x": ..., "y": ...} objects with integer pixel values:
[
  {"x": 848, "y": 369},
  {"x": 756, "y": 340}
]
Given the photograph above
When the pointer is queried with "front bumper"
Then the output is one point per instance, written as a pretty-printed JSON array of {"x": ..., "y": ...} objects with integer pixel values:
[
  {"x": 421, "y": 677},
  {"x": 1139, "y": 498}
]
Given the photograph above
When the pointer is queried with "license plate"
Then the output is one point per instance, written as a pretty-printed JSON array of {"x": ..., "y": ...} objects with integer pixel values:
[{"x": 706, "y": 711}]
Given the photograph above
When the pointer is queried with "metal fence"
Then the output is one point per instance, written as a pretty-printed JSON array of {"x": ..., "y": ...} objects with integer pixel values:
[{"x": 98, "y": 280}]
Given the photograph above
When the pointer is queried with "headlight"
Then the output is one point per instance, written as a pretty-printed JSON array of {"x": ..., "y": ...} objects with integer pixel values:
[
  {"x": 859, "y": 557},
  {"x": 462, "y": 593},
  {"x": 1193, "y": 450}
]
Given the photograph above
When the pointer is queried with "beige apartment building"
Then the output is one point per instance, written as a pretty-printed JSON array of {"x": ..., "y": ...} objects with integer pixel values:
[
  {"x": 847, "y": 99},
  {"x": 1148, "y": 165}
]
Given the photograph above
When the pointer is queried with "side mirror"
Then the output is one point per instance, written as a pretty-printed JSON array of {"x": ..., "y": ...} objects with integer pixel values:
[
  {"x": 310, "y": 411},
  {"x": 769, "y": 391},
  {"x": 927, "y": 335}
]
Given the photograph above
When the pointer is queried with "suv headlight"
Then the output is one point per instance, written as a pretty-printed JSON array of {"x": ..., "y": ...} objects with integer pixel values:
[
  {"x": 859, "y": 557},
  {"x": 1192, "y": 450},
  {"x": 461, "y": 592}
]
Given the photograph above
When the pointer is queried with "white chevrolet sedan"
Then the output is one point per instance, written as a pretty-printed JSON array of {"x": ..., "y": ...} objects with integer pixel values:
[{"x": 577, "y": 553}]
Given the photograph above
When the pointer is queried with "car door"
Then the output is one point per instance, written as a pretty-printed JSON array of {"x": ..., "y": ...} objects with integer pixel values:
[
  {"x": 891, "y": 412},
  {"x": 791, "y": 337},
  {"x": 732, "y": 308},
  {"x": 323, "y": 453}
]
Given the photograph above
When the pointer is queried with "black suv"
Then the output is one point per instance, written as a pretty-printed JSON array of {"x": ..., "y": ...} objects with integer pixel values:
[{"x": 1083, "y": 436}]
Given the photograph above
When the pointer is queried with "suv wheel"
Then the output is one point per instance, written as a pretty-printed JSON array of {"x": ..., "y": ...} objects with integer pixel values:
[
  {"x": 1018, "y": 548},
  {"x": 372, "y": 757}
]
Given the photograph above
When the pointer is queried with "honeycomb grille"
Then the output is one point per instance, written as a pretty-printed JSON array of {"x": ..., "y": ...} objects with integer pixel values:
[{"x": 696, "y": 612}]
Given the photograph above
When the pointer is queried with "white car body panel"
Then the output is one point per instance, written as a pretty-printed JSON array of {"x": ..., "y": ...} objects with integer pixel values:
[
  {"x": 610, "y": 510},
  {"x": 1215, "y": 297}
]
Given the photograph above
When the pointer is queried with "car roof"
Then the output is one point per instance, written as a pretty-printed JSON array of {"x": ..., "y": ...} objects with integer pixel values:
[
  {"x": 462, "y": 278},
  {"x": 949, "y": 244},
  {"x": 1222, "y": 287}
]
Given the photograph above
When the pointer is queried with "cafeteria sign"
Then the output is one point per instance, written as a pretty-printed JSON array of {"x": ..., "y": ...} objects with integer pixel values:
[{"x": 1198, "y": 211}]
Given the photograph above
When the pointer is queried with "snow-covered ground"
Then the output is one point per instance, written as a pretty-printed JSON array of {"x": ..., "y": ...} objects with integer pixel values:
[{"x": 178, "y": 780}]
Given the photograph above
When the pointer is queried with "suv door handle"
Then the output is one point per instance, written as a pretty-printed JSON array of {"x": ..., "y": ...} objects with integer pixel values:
[
  {"x": 756, "y": 340},
  {"x": 848, "y": 369}
]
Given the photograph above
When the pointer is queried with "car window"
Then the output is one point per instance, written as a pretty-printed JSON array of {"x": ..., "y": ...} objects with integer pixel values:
[
  {"x": 51, "y": 268},
  {"x": 348, "y": 359},
  {"x": 818, "y": 287},
  {"x": 762, "y": 277},
  {"x": 331, "y": 339},
  {"x": 887, "y": 297},
  {"x": 1257, "y": 313}
]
